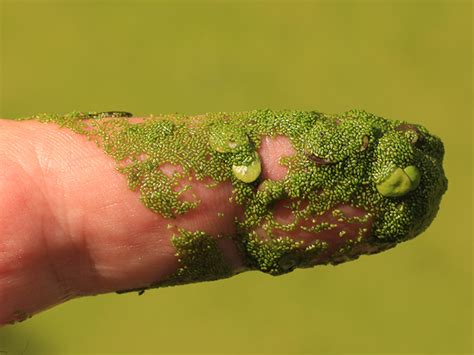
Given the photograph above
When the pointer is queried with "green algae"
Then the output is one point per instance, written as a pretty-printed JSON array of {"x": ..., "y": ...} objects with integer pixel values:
[
  {"x": 400, "y": 182},
  {"x": 340, "y": 159},
  {"x": 249, "y": 170},
  {"x": 414, "y": 175},
  {"x": 226, "y": 137},
  {"x": 280, "y": 255},
  {"x": 200, "y": 259}
]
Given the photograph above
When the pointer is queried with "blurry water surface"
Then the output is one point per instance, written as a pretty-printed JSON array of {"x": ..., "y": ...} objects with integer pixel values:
[{"x": 408, "y": 60}]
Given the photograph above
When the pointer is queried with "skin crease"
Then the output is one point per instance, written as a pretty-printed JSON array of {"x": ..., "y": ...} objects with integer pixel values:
[{"x": 61, "y": 237}]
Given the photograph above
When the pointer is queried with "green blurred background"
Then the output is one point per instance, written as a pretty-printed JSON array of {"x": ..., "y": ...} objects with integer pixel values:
[{"x": 408, "y": 60}]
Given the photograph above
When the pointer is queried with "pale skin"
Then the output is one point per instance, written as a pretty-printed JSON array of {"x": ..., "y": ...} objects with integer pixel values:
[{"x": 62, "y": 237}]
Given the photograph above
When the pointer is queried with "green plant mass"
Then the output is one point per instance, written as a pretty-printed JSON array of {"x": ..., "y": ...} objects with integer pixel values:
[{"x": 390, "y": 170}]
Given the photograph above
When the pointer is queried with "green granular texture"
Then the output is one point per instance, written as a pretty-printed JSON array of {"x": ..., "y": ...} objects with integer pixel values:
[
  {"x": 280, "y": 255},
  {"x": 339, "y": 160},
  {"x": 200, "y": 258},
  {"x": 320, "y": 227}
]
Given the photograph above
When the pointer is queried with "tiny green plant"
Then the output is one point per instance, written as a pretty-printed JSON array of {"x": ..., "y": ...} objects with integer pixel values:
[{"x": 389, "y": 170}]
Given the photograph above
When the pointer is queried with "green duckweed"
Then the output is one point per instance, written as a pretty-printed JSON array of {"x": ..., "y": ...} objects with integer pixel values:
[
  {"x": 248, "y": 172},
  {"x": 391, "y": 169}
]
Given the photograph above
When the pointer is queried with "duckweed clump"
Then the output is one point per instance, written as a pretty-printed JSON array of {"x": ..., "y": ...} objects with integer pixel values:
[
  {"x": 200, "y": 258},
  {"x": 282, "y": 254},
  {"x": 354, "y": 158}
]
